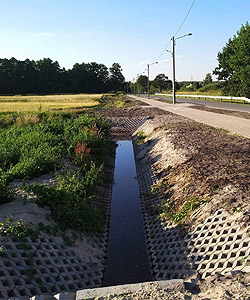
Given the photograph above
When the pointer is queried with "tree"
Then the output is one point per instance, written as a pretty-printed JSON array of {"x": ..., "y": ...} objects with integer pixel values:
[
  {"x": 208, "y": 79},
  {"x": 162, "y": 82},
  {"x": 142, "y": 83},
  {"x": 234, "y": 64},
  {"x": 116, "y": 78}
]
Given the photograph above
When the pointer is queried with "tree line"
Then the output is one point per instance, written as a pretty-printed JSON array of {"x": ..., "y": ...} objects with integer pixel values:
[
  {"x": 47, "y": 77},
  {"x": 234, "y": 64},
  {"x": 163, "y": 83}
]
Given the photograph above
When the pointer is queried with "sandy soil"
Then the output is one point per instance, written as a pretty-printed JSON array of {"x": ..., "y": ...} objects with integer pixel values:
[
  {"x": 234, "y": 287},
  {"x": 206, "y": 163},
  {"x": 85, "y": 245}
]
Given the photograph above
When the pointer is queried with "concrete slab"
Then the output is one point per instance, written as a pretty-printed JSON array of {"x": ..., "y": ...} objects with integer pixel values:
[{"x": 89, "y": 294}]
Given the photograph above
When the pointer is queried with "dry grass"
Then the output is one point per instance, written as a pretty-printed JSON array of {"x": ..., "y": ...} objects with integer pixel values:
[{"x": 49, "y": 102}]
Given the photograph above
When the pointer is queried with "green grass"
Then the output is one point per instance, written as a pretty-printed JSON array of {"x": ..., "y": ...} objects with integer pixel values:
[
  {"x": 114, "y": 101},
  {"x": 168, "y": 212},
  {"x": 30, "y": 149}
]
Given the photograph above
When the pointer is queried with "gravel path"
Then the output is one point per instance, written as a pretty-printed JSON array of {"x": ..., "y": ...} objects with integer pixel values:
[{"x": 231, "y": 123}]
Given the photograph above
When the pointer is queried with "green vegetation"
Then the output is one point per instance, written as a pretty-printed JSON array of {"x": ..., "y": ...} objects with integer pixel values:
[
  {"x": 114, "y": 101},
  {"x": 47, "y": 77},
  {"x": 70, "y": 199},
  {"x": 140, "y": 137},
  {"x": 17, "y": 229},
  {"x": 28, "y": 150},
  {"x": 168, "y": 212},
  {"x": 233, "y": 64}
]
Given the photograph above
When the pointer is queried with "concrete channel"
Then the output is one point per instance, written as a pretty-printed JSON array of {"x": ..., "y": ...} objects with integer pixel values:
[{"x": 127, "y": 260}]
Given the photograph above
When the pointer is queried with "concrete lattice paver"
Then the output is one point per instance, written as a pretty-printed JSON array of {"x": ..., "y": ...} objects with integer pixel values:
[{"x": 218, "y": 245}]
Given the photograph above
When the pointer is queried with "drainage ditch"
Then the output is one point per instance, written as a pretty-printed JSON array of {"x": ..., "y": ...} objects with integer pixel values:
[
  {"x": 218, "y": 245},
  {"x": 127, "y": 260}
]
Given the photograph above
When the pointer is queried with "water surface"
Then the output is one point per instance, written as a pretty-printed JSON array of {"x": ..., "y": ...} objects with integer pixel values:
[{"x": 127, "y": 260}]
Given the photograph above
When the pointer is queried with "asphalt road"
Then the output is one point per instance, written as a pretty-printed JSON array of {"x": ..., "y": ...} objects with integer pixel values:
[{"x": 221, "y": 105}]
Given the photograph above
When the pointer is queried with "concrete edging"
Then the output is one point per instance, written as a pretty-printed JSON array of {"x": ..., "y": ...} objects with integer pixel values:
[{"x": 89, "y": 294}]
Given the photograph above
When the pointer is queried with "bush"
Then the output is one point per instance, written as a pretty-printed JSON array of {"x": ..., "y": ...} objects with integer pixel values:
[
  {"x": 70, "y": 199},
  {"x": 5, "y": 194},
  {"x": 211, "y": 87}
]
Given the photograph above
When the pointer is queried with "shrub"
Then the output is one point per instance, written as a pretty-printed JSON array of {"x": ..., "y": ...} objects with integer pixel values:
[{"x": 70, "y": 200}]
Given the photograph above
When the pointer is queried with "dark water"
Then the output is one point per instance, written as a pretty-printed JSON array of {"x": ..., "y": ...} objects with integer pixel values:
[{"x": 127, "y": 260}]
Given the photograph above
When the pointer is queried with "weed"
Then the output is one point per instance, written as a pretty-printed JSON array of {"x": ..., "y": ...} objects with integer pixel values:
[
  {"x": 81, "y": 153},
  {"x": 167, "y": 211},
  {"x": 17, "y": 229},
  {"x": 140, "y": 137},
  {"x": 70, "y": 201},
  {"x": 6, "y": 194}
]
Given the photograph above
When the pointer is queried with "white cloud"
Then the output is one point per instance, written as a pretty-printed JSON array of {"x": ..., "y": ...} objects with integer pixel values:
[
  {"x": 47, "y": 34},
  {"x": 162, "y": 61},
  {"x": 179, "y": 56},
  {"x": 142, "y": 63}
]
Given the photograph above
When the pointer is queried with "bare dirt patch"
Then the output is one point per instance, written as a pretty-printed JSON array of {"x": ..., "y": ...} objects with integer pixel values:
[
  {"x": 133, "y": 111},
  {"x": 199, "y": 163}
]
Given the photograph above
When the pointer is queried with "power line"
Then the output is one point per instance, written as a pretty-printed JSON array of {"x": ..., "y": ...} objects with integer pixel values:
[
  {"x": 178, "y": 29},
  {"x": 185, "y": 18}
]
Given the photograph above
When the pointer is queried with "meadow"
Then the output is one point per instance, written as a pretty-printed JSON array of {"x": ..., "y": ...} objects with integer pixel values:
[{"x": 34, "y": 103}]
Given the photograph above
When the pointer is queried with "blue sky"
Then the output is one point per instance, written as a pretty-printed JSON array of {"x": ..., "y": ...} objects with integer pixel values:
[{"x": 131, "y": 32}]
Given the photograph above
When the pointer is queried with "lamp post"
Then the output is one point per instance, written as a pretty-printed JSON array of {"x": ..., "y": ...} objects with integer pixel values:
[
  {"x": 173, "y": 55},
  {"x": 148, "y": 74}
]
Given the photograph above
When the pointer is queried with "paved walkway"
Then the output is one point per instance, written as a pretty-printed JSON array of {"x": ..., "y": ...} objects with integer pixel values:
[{"x": 234, "y": 124}]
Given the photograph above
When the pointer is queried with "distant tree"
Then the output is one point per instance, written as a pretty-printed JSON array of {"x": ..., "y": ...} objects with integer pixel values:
[
  {"x": 116, "y": 77},
  {"x": 142, "y": 83},
  {"x": 208, "y": 79},
  {"x": 162, "y": 82},
  {"x": 49, "y": 76},
  {"x": 45, "y": 76},
  {"x": 234, "y": 64},
  {"x": 196, "y": 85}
]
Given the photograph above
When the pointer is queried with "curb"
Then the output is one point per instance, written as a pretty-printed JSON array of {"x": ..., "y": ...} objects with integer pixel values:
[{"x": 89, "y": 294}]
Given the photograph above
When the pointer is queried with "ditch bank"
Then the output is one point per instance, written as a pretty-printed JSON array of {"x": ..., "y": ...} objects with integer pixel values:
[
  {"x": 195, "y": 211},
  {"x": 47, "y": 261},
  {"x": 194, "y": 189}
]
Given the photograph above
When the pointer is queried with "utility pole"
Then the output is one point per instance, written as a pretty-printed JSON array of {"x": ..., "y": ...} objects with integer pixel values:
[
  {"x": 173, "y": 55},
  {"x": 148, "y": 75},
  {"x": 148, "y": 80}
]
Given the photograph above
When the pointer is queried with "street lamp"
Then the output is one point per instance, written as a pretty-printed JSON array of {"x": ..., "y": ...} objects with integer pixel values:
[
  {"x": 148, "y": 74},
  {"x": 173, "y": 55}
]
